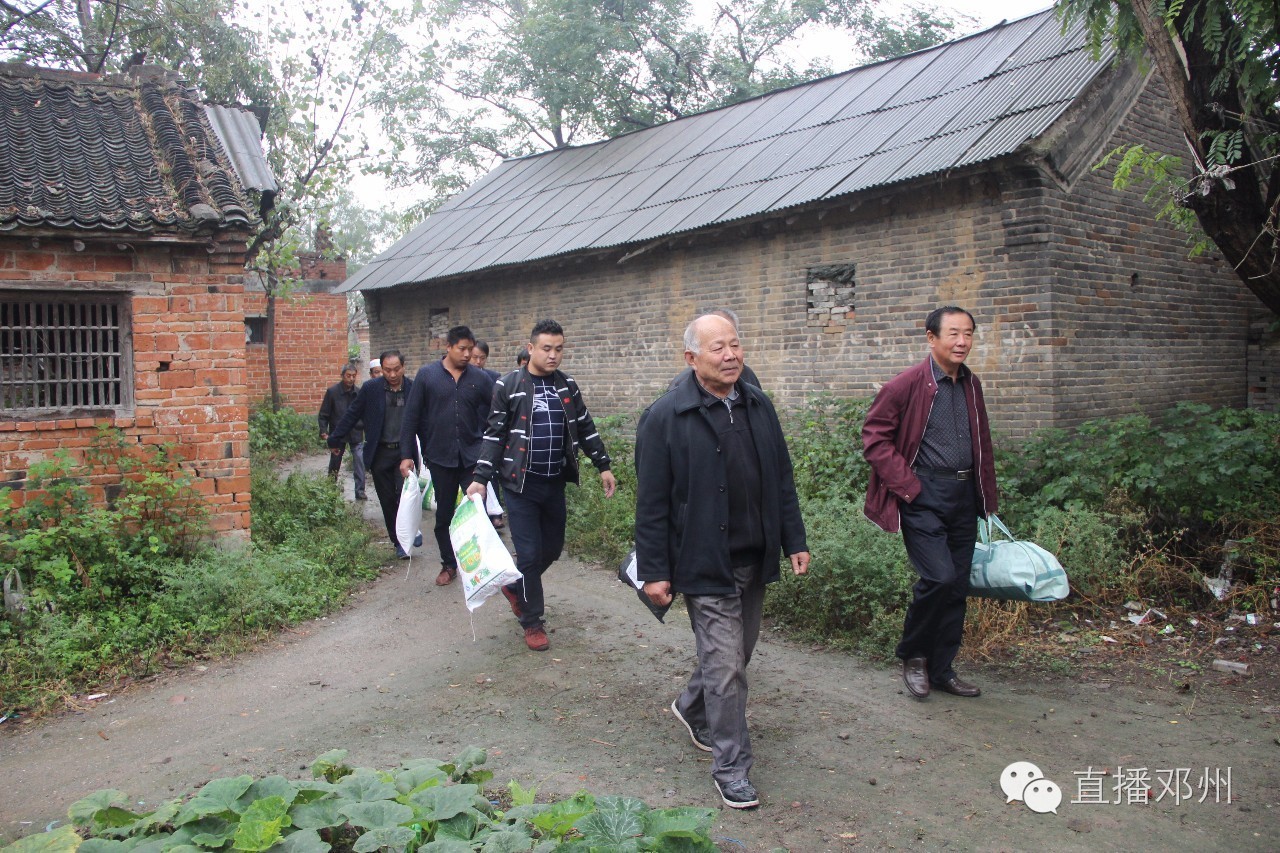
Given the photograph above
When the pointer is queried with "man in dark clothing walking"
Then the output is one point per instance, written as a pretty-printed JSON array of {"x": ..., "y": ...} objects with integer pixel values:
[
  {"x": 537, "y": 423},
  {"x": 380, "y": 404},
  {"x": 928, "y": 441},
  {"x": 716, "y": 507},
  {"x": 336, "y": 401},
  {"x": 446, "y": 415}
]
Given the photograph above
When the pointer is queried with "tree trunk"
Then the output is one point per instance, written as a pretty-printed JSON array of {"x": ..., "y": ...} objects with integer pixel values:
[
  {"x": 271, "y": 346},
  {"x": 1235, "y": 214}
]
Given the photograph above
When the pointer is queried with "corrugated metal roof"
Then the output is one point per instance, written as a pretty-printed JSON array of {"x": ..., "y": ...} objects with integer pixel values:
[
  {"x": 241, "y": 137},
  {"x": 965, "y": 102}
]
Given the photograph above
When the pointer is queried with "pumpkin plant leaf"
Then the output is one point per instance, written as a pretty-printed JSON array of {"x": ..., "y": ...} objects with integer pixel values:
[
  {"x": 395, "y": 838},
  {"x": 262, "y": 825},
  {"x": 377, "y": 815},
  {"x": 64, "y": 839}
]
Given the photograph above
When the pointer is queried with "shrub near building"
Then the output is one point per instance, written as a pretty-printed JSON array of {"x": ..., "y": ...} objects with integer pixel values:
[{"x": 116, "y": 589}]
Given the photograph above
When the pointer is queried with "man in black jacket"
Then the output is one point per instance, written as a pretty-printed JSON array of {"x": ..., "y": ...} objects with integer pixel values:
[
  {"x": 336, "y": 401},
  {"x": 537, "y": 423},
  {"x": 716, "y": 507},
  {"x": 380, "y": 404},
  {"x": 446, "y": 415}
]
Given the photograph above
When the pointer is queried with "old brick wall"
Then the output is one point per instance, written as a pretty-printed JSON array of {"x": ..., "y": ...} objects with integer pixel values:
[
  {"x": 1264, "y": 363},
  {"x": 311, "y": 347},
  {"x": 1138, "y": 325},
  {"x": 1046, "y": 268},
  {"x": 188, "y": 350}
]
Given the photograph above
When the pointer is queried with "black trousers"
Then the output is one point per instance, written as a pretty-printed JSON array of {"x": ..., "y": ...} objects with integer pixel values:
[
  {"x": 537, "y": 519},
  {"x": 939, "y": 530},
  {"x": 447, "y": 481},
  {"x": 388, "y": 482}
]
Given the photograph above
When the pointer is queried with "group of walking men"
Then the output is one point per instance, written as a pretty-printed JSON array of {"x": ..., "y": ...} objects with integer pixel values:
[
  {"x": 716, "y": 502},
  {"x": 476, "y": 428}
]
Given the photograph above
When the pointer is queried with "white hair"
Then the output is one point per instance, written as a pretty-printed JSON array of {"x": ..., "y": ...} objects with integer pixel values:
[
  {"x": 691, "y": 342},
  {"x": 728, "y": 314}
]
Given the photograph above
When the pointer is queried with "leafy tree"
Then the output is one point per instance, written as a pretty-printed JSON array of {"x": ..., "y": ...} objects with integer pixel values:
[
  {"x": 194, "y": 37},
  {"x": 1220, "y": 63},
  {"x": 325, "y": 61},
  {"x": 504, "y": 78}
]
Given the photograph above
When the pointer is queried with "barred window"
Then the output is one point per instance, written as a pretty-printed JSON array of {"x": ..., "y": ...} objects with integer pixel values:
[
  {"x": 255, "y": 330},
  {"x": 64, "y": 354}
]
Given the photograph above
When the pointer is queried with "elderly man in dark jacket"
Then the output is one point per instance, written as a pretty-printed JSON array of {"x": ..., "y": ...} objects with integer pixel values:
[{"x": 716, "y": 507}]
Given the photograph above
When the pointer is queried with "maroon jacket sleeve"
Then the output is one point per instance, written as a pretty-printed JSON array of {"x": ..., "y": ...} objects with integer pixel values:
[{"x": 880, "y": 440}]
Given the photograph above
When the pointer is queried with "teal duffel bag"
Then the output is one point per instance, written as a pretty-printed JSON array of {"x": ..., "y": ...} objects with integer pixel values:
[{"x": 1011, "y": 569}]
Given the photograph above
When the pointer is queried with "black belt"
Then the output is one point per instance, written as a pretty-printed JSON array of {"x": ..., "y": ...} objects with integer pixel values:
[
  {"x": 389, "y": 445},
  {"x": 943, "y": 473}
]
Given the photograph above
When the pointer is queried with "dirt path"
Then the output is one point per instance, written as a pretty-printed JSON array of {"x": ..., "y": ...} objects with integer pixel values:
[{"x": 843, "y": 759}]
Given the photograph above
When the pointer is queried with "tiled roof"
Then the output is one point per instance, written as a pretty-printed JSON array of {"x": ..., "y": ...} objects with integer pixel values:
[
  {"x": 951, "y": 106},
  {"x": 125, "y": 153}
]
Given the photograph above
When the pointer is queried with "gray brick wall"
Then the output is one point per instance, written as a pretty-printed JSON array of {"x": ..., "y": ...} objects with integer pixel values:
[{"x": 1086, "y": 305}]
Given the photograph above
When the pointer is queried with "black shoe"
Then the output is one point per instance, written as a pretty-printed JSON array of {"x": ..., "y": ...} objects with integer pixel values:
[
  {"x": 956, "y": 687},
  {"x": 360, "y": 496},
  {"x": 700, "y": 736},
  {"x": 738, "y": 795},
  {"x": 915, "y": 677}
]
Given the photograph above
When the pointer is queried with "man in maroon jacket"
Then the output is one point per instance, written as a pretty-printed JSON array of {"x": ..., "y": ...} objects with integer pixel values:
[{"x": 932, "y": 474}]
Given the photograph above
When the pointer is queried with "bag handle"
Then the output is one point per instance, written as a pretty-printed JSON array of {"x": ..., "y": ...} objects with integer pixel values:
[{"x": 993, "y": 520}]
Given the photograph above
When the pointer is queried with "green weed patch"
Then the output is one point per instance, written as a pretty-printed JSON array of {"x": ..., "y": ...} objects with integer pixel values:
[{"x": 119, "y": 590}]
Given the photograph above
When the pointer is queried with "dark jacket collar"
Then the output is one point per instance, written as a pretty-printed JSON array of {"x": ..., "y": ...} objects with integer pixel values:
[{"x": 688, "y": 393}]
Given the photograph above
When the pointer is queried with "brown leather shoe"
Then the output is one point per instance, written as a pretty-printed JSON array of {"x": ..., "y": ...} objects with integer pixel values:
[
  {"x": 956, "y": 687},
  {"x": 536, "y": 638},
  {"x": 446, "y": 576},
  {"x": 915, "y": 677},
  {"x": 513, "y": 600}
]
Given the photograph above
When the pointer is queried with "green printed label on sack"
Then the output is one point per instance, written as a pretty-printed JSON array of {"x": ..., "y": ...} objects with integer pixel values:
[
  {"x": 428, "y": 492},
  {"x": 469, "y": 556},
  {"x": 464, "y": 513}
]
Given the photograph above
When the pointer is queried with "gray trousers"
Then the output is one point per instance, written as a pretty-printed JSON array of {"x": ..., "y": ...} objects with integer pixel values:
[{"x": 725, "y": 628}]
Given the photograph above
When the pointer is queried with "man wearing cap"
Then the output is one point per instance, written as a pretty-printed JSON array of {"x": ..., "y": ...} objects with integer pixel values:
[
  {"x": 337, "y": 399},
  {"x": 381, "y": 405},
  {"x": 375, "y": 368}
]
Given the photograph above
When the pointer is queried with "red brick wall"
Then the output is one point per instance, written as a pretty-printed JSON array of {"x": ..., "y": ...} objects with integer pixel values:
[
  {"x": 311, "y": 346},
  {"x": 188, "y": 358}
]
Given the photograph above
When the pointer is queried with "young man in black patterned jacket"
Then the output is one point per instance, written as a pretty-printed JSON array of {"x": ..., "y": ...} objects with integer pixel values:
[{"x": 537, "y": 424}]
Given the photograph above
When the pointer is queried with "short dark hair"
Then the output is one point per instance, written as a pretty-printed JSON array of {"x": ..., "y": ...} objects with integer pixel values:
[
  {"x": 546, "y": 327},
  {"x": 350, "y": 365},
  {"x": 460, "y": 333},
  {"x": 933, "y": 323},
  {"x": 522, "y": 357},
  {"x": 483, "y": 347},
  {"x": 388, "y": 353}
]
